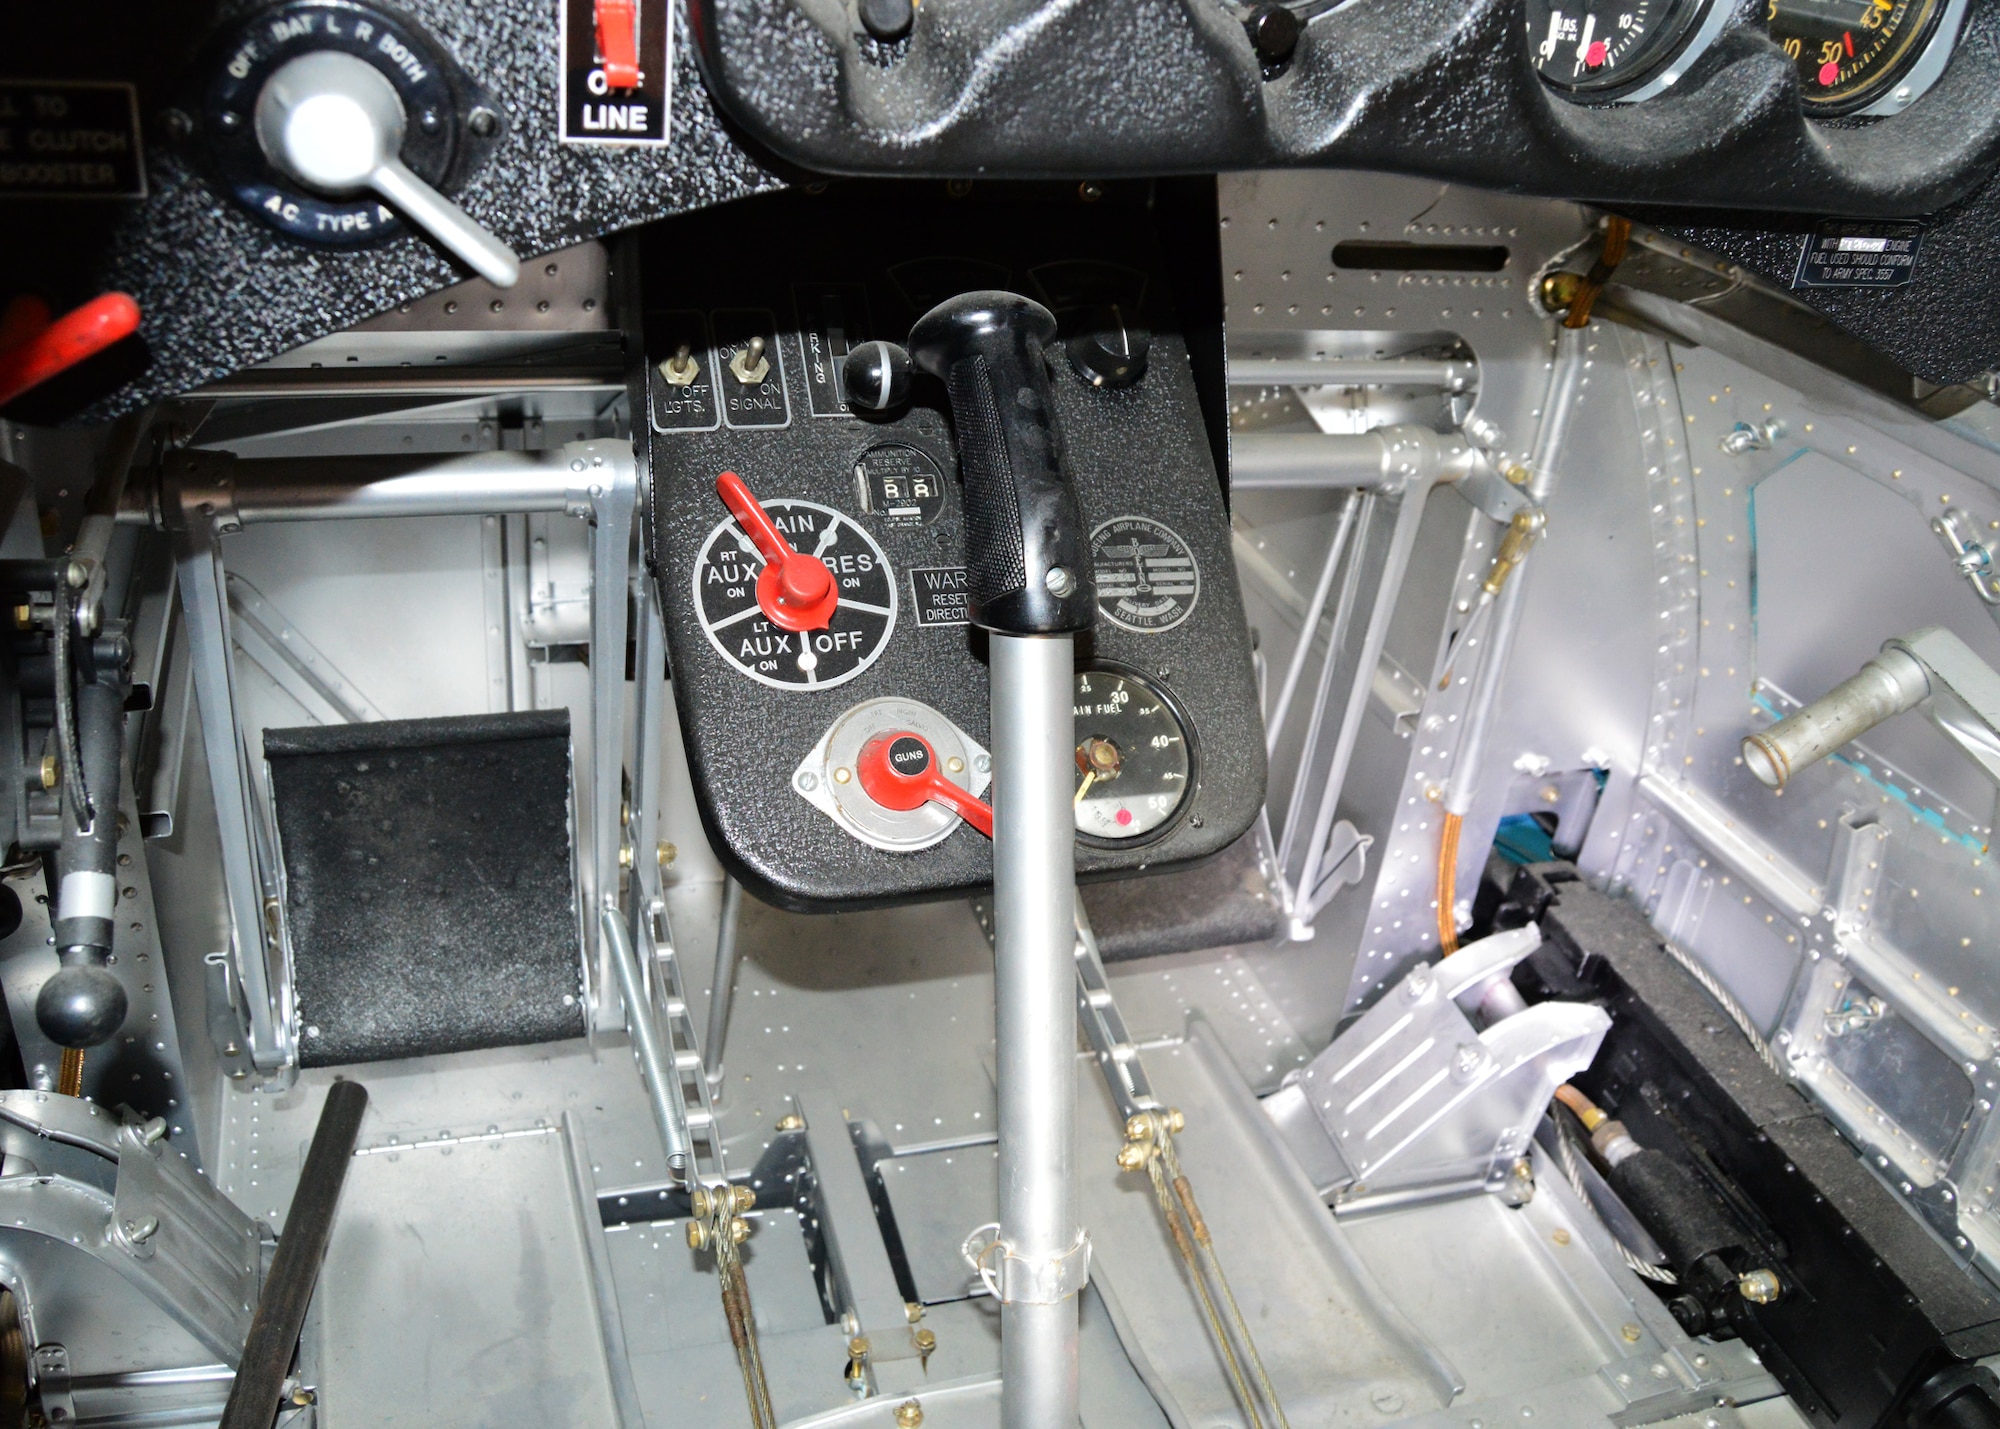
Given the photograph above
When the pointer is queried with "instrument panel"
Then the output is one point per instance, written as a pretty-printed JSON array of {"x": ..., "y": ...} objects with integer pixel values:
[
  {"x": 161, "y": 185},
  {"x": 811, "y": 554},
  {"x": 1851, "y": 56}
]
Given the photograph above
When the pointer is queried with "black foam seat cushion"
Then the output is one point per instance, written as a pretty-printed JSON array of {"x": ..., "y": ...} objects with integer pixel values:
[{"x": 429, "y": 896}]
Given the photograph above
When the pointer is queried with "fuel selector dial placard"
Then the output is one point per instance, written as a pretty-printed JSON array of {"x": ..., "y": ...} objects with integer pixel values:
[
  {"x": 1135, "y": 758},
  {"x": 726, "y": 579}
]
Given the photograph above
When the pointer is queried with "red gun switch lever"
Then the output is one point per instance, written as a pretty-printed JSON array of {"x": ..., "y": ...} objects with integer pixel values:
[
  {"x": 618, "y": 42},
  {"x": 899, "y": 771},
  {"x": 794, "y": 590}
]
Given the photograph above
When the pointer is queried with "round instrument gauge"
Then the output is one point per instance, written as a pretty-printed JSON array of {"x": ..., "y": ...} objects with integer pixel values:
[
  {"x": 1619, "y": 49},
  {"x": 1851, "y": 53},
  {"x": 725, "y": 593},
  {"x": 1134, "y": 758}
]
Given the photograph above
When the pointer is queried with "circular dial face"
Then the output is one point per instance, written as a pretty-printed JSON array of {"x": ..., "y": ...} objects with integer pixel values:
[
  {"x": 1848, "y": 52},
  {"x": 1147, "y": 580},
  {"x": 725, "y": 592},
  {"x": 1602, "y": 48},
  {"x": 1132, "y": 757}
]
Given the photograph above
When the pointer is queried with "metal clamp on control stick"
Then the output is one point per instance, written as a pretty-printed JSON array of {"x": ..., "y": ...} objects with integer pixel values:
[
  {"x": 1028, "y": 565},
  {"x": 1014, "y": 1279},
  {"x": 1931, "y": 669}
]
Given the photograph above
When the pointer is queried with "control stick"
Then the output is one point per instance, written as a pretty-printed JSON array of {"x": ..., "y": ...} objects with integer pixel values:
[
  {"x": 1029, "y": 586},
  {"x": 333, "y": 122}
]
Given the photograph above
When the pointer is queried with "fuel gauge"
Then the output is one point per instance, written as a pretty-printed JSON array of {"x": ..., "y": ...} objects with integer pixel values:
[
  {"x": 1597, "y": 50},
  {"x": 1134, "y": 758}
]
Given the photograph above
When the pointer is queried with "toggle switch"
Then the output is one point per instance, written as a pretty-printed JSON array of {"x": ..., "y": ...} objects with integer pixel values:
[
  {"x": 899, "y": 770},
  {"x": 750, "y": 366},
  {"x": 795, "y": 590},
  {"x": 334, "y": 123},
  {"x": 618, "y": 42}
]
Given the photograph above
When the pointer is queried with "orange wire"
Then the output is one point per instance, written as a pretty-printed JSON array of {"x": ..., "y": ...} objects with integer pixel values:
[
  {"x": 1448, "y": 885},
  {"x": 1587, "y": 1111}
]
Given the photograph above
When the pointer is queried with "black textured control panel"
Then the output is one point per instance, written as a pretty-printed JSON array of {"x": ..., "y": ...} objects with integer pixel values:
[{"x": 744, "y": 374}]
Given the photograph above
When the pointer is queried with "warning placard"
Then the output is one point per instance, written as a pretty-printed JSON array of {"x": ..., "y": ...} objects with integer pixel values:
[{"x": 70, "y": 139}]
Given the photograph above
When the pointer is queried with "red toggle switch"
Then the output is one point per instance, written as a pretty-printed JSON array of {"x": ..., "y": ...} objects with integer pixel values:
[
  {"x": 618, "y": 42},
  {"x": 794, "y": 590},
  {"x": 33, "y": 349},
  {"x": 899, "y": 771}
]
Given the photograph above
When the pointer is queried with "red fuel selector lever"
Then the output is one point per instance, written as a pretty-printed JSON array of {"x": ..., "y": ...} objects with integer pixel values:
[
  {"x": 899, "y": 771},
  {"x": 794, "y": 590}
]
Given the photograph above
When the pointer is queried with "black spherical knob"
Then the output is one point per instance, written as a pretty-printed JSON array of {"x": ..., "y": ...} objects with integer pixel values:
[
  {"x": 1274, "y": 33},
  {"x": 81, "y": 1006},
  {"x": 887, "y": 19},
  {"x": 877, "y": 376},
  {"x": 1108, "y": 350}
]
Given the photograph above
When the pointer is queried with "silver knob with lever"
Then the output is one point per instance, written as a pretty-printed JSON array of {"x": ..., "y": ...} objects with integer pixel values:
[{"x": 334, "y": 123}]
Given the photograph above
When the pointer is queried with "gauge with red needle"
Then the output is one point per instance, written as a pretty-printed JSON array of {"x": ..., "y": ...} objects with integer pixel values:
[{"x": 792, "y": 593}]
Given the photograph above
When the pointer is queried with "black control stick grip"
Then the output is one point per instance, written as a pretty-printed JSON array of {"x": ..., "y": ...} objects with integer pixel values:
[{"x": 1026, "y": 554}]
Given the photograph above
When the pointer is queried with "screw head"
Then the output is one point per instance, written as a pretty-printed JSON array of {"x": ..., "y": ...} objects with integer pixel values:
[{"x": 1060, "y": 582}]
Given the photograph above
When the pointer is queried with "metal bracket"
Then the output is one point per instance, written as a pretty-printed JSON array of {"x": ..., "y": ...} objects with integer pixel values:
[
  {"x": 1413, "y": 1103},
  {"x": 1104, "y": 1026},
  {"x": 52, "y": 1384},
  {"x": 124, "y": 1197}
]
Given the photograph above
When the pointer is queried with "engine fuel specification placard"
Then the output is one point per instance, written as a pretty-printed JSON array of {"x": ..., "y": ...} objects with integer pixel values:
[
  {"x": 725, "y": 592},
  {"x": 1846, "y": 254}
]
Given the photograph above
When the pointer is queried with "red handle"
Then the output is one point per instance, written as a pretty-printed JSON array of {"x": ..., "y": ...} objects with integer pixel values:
[
  {"x": 899, "y": 770},
  {"x": 795, "y": 591},
  {"x": 47, "y": 350},
  {"x": 618, "y": 42},
  {"x": 757, "y": 524}
]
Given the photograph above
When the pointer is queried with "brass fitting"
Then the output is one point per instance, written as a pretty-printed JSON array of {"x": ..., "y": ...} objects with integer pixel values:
[
  {"x": 1521, "y": 533},
  {"x": 746, "y": 1199},
  {"x": 909, "y": 1414},
  {"x": 1559, "y": 290},
  {"x": 697, "y": 1237},
  {"x": 739, "y": 1230},
  {"x": 665, "y": 854},
  {"x": 49, "y": 771},
  {"x": 1132, "y": 1156},
  {"x": 1760, "y": 1287},
  {"x": 792, "y": 1122}
]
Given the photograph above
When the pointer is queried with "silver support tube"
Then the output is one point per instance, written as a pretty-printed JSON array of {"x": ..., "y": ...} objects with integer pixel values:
[
  {"x": 608, "y": 474},
  {"x": 1353, "y": 372},
  {"x": 1307, "y": 900},
  {"x": 1336, "y": 642},
  {"x": 205, "y": 606},
  {"x": 498, "y": 483},
  {"x": 1386, "y": 457},
  {"x": 1558, "y": 408},
  {"x": 1274, "y": 725},
  {"x": 722, "y": 991},
  {"x": 669, "y": 1115},
  {"x": 1034, "y": 903}
]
